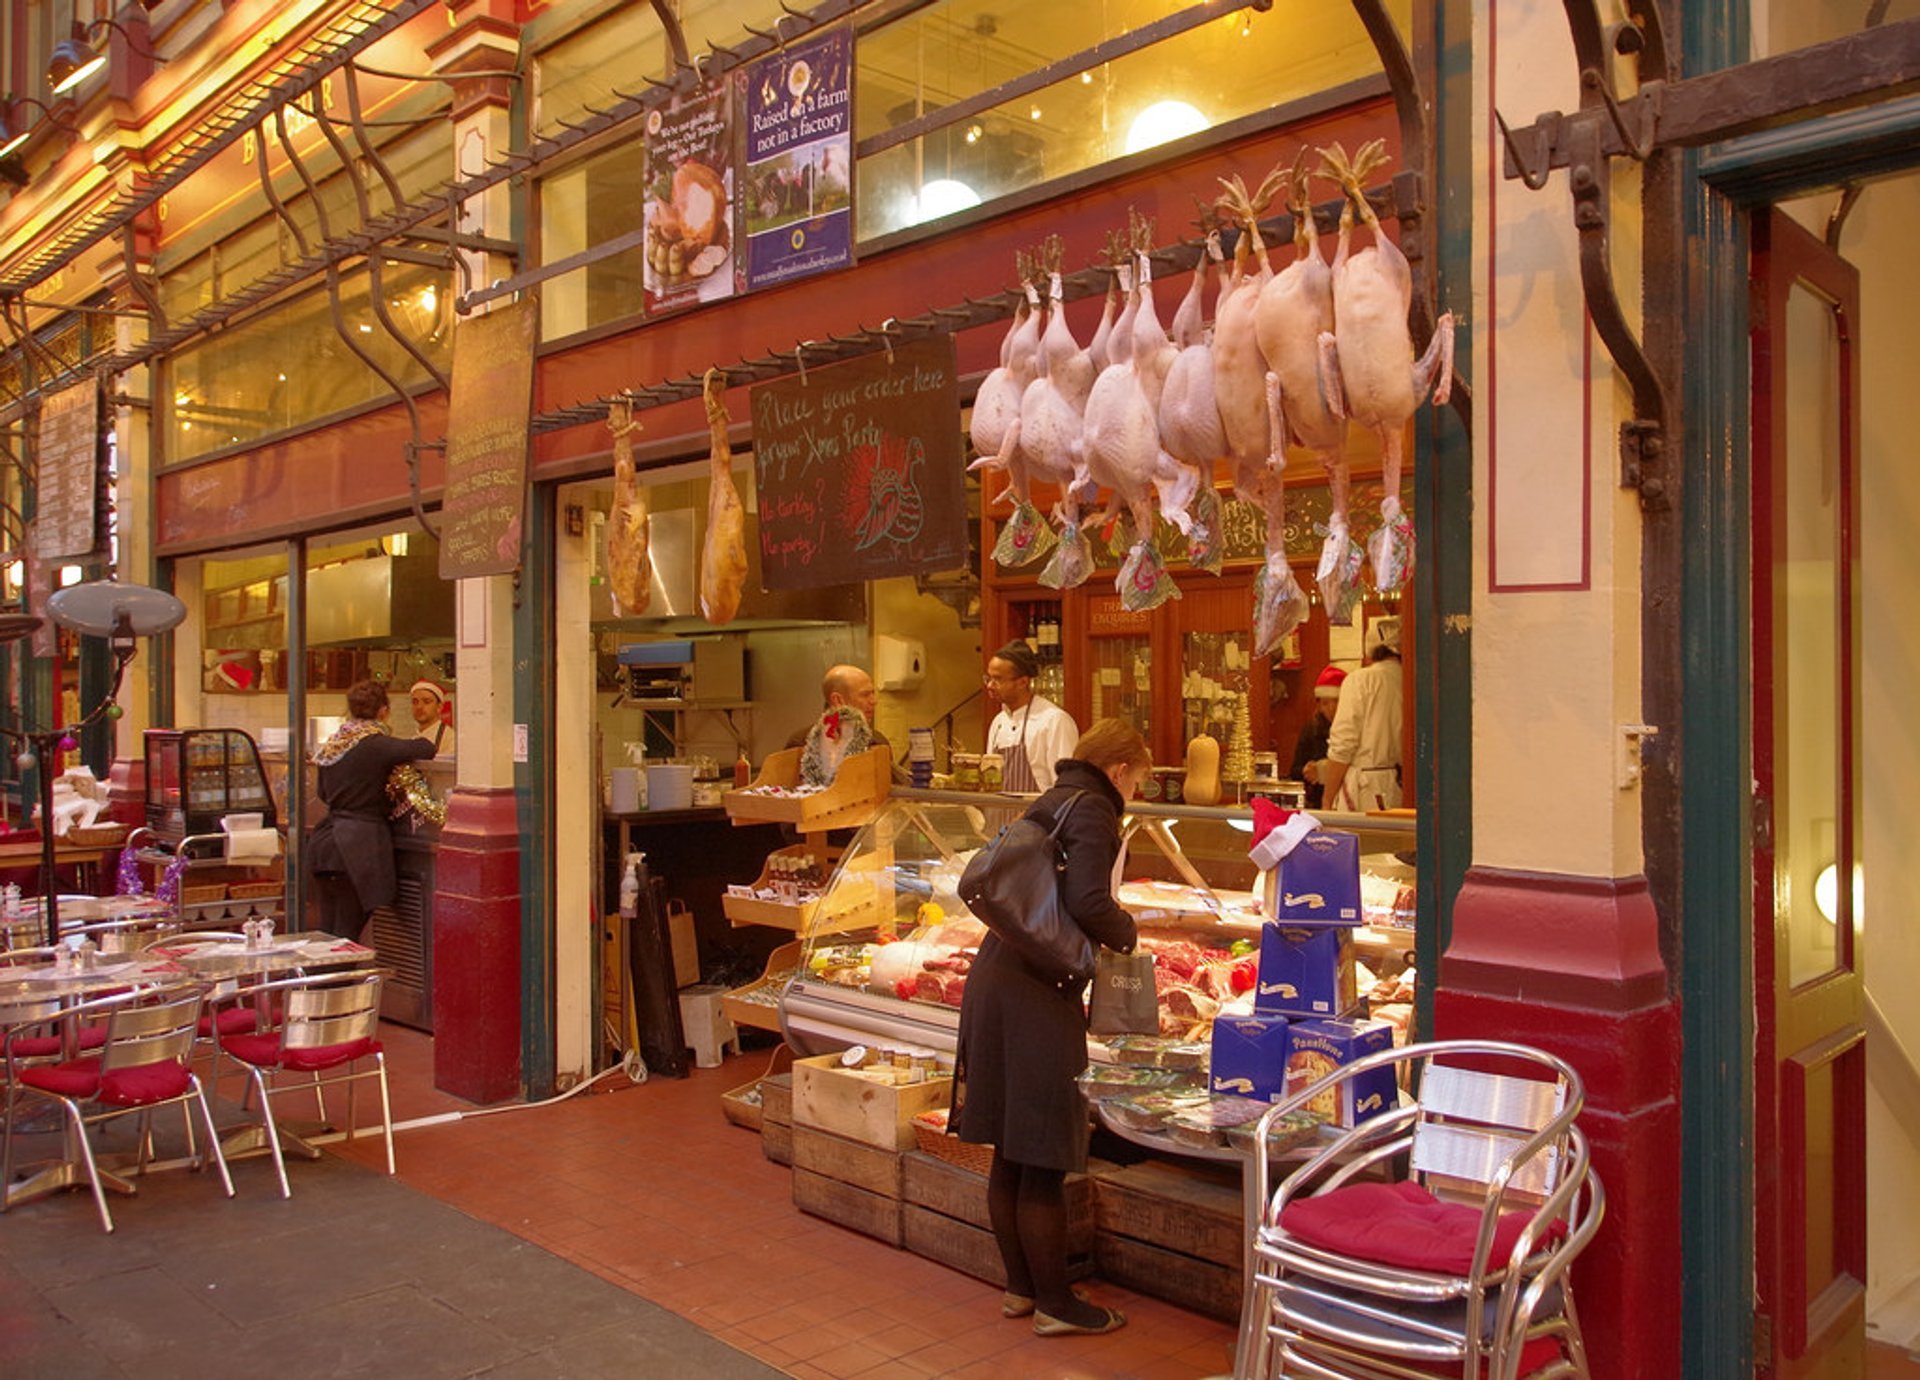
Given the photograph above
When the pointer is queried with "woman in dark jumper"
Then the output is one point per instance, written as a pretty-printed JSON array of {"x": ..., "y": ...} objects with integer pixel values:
[
  {"x": 1023, "y": 1042},
  {"x": 350, "y": 852}
]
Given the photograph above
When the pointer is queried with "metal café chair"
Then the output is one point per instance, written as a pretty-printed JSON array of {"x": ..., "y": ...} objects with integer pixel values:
[
  {"x": 34, "y": 1020},
  {"x": 1460, "y": 1267},
  {"x": 319, "y": 1030},
  {"x": 141, "y": 1065}
]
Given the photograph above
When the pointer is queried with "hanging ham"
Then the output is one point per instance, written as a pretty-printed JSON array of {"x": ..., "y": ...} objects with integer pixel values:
[
  {"x": 723, "y": 558},
  {"x": 628, "y": 569}
]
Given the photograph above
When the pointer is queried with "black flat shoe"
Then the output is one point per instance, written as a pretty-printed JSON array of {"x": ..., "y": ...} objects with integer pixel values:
[{"x": 1112, "y": 1321}]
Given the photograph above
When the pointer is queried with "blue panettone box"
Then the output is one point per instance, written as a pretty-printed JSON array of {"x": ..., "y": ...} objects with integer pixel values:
[
  {"x": 1249, "y": 1056},
  {"x": 1305, "y": 970},
  {"x": 1318, "y": 883},
  {"x": 1317, "y": 1048}
]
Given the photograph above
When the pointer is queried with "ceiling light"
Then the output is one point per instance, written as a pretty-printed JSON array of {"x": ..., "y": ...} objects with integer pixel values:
[
  {"x": 73, "y": 60},
  {"x": 1162, "y": 123}
]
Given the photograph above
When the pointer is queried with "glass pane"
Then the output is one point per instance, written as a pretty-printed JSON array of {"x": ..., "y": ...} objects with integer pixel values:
[
  {"x": 1123, "y": 682},
  {"x": 1807, "y": 638},
  {"x": 1222, "y": 70},
  {"x": 589, "y": 204}
]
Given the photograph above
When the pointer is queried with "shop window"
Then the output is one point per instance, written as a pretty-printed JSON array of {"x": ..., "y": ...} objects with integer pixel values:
[
  {"x": 1209, "y": 76},
  {"x": 289, "y": 367},
  {"x": 590, "y": 203}
]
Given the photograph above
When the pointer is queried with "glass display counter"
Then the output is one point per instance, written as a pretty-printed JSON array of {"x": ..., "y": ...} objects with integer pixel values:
[{"x": 884, "y": 954}]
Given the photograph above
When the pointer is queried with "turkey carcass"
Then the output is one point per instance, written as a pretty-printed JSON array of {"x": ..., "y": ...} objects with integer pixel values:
[
  {"x": 1291, "y": 314},
  {"x": 1367, "y": 363},
  {"x": 1239, "y": 369},
  {"x": 1190, "y": 429},
  {"x": 1052, "y": 435},
  {"x": 995, "y": 431},
  {"x": 1123, "y": 452},
  {"x": 1153, "y": 359}
]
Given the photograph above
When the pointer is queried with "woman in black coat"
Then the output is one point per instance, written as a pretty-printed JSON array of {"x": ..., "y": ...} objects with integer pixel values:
[
  {"x": 350, "y": 852},
  {"x": 1023, "y": 1042}
]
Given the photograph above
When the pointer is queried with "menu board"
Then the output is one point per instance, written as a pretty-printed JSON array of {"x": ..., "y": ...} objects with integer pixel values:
[
  {"x": 688, "y": 209},
  {"x": 859, "y": 469},
  {"x": 66, "y": 469},
  {"x": 483, "y": 507},
  {"x": 797, "y": 189}
]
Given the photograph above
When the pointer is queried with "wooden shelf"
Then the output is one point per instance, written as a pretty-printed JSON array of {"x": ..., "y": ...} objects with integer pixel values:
[{"x": 862, "y": 786}]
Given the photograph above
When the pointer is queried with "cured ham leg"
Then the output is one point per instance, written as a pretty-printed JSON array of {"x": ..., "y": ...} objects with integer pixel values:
[
  {"x": 723, "y": 558},
  {"x": 1367, "y": 363},
  {"x": 1293, "y": 312},
  {"x": 627, "y": 567}
]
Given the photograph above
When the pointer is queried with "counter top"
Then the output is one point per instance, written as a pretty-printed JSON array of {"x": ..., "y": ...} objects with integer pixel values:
[{"x": 640, "y": 819}]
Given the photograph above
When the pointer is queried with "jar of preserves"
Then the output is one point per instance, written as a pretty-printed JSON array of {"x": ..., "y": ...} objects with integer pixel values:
[
  {"x": 992, "y": 771},
  {"x": 966, "y": 771}
]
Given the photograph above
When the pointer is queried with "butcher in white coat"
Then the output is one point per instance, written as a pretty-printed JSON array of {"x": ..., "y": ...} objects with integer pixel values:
[{"x": 1362, "y": 770}]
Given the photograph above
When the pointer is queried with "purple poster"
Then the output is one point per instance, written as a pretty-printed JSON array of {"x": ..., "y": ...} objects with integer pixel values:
[
  {"x": 689, "y": 203},
  {"x": 797, "y": 202}
]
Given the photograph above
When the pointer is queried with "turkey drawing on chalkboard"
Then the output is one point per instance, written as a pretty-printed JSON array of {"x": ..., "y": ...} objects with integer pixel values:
[{"x": 883, "y": 500}]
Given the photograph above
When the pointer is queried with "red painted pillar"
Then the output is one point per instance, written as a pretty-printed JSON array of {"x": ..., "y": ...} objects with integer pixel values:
[
  {"x": 1572, "y": 965},
  {"x": 476, "y": 947}
]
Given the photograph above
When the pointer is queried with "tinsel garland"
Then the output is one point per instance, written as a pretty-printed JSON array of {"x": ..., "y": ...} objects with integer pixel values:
[{"x": 409, "y": 792}]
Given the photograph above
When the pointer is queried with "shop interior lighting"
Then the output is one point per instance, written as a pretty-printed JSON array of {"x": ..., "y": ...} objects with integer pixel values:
[
  {"x": 942, "y": 197},
  {"x": 1162, "y": 123},
  {"x": 1826, "y": 893}
]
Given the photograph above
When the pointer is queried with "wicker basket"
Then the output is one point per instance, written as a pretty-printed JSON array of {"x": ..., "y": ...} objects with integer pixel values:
[
  {"x": 203, "y": 893},
  {"x": 975, "y": 1159},
  {"x": 252, "y": 891},
  {"x": 97, "y": 836}
]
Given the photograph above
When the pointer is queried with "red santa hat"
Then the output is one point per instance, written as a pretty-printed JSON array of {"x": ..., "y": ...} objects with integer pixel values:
[{"x": 1277, "y": 832}]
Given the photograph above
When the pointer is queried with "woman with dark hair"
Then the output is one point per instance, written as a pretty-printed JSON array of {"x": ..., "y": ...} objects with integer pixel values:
[
  {"x": 1023, "y": 1042},
  {"x": 350, "y": 852}
]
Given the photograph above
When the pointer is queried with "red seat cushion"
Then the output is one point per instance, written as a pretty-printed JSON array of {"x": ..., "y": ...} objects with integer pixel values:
[
  {"x": 1400, "y": 1224},
  {"x": 41, "y": 1046},
  {"x": 263, "y": 1051},
  {"x": 232, "y": 1020},
  {"x": 81, "y": 1080}
]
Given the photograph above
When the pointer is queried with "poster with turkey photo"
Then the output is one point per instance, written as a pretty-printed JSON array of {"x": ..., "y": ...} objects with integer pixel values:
[
  {"x": 796, "y": 198},
  {"x": 689, "y": 201}
]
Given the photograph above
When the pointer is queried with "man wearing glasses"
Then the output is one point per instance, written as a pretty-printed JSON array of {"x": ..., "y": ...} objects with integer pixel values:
[{"x": 1030, "y": 732}]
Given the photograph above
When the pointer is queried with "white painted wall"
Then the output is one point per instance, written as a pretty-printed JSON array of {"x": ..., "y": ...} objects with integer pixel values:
[{"x": 1556, "y": 628}]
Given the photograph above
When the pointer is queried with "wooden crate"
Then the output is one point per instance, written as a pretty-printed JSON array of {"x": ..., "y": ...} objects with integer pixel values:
[
  {"x": 737, "y": 1108},
  {"x": 946, "y": 1188},
  {"x": 870, "y": 1214},
  {"x": 776, "y": 1141},
  {"x": 835, "y": 1157},
  {"x": 776, "y": 1098},
  {"x": 972, "y": 1250},
  {"x": 830, "y": 1098},
  {"x": 1201, "y": 1285},
  {"x": 1186, "y": 1209}
]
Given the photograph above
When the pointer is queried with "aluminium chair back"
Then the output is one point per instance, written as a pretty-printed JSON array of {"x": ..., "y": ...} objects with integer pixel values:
[
  {"x": 159, "y": 1027},
  {"x": 1472, "y": 1125},
  {"x": 332, "y": 1011}
]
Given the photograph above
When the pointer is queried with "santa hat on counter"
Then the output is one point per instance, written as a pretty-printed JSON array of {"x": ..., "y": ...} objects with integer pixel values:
[{"x": 1277, "y": 832}]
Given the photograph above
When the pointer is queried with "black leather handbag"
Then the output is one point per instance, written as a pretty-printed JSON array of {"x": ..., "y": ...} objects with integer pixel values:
[{"x": 1013, "y": 886}]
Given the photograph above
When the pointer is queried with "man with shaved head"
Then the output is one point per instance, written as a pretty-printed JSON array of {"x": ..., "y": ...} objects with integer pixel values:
[{"x": 849, "y": 685}]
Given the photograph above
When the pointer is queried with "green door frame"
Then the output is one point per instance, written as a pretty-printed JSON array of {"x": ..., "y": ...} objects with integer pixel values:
[{"x": 1725, "y": 183}]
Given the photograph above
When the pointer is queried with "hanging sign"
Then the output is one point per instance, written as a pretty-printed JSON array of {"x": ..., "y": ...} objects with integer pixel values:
[
  {"x": 859, "y": 469},
  {"x": 483, "y": 507},
  {"x": 797, "y": 192},
  {"x": 66, "y": 469},
  {"x": 688, "y": 208}
]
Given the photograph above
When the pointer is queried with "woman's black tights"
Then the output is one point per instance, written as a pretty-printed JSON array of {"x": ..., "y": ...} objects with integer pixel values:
[{"x": 1028, "y": 1208}]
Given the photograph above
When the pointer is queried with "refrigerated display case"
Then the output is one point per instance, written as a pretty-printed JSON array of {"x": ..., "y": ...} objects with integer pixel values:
[
  {"x": 197, "y": 776},
  {"x": 885, "y": 957}
]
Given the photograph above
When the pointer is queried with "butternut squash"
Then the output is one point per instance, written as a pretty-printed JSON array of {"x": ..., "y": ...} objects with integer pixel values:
[{"x": 1202, "y": 785}]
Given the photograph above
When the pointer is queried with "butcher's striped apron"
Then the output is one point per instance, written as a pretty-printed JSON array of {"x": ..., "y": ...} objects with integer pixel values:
[{"x": 1016, "y": 772}]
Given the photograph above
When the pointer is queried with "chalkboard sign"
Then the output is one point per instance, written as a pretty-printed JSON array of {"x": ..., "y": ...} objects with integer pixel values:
[
  {"x": 484, "y": 505},
  {"x": 860, "y": 470},
  {"x": 66, "y": 468}
]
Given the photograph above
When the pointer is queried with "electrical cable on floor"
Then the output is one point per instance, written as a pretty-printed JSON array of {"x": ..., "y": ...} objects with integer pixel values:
[{"x": 630, "y": 1064}]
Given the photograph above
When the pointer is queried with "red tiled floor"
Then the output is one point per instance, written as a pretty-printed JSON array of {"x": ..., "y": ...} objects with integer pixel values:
[{"x": 651, "y": 1188}]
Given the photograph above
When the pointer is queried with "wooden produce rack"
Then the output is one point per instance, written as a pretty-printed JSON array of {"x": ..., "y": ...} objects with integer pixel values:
[
  {"x": 859, "y": 789},
  {"x": 758, "y": 1003},
  {"x": 855, "y": 901},
  {"x": 1175, "y": 1231}
]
